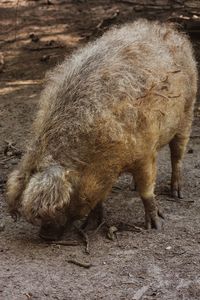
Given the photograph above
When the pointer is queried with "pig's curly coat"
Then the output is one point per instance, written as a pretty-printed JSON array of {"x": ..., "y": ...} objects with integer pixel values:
[{"x": 108, "y": 109}]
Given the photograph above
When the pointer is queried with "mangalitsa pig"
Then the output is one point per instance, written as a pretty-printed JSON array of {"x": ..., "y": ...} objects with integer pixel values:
[{"x": 108, "y": 109}]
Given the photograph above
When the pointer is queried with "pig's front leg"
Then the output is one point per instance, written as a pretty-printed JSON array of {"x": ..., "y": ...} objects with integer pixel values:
[
  {"x": 95, "y": 185},
  {"x": 145, "y": 176},
  {"x": 95, "y": 217}
]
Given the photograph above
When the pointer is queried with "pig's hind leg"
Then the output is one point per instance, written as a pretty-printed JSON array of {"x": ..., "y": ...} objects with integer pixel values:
[
  {"x": 145, "y": 176},
  {"x": 177, "y": 148}
]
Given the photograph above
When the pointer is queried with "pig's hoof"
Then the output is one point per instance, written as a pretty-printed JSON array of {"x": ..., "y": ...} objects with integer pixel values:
[
  {"x": 155, "y": 220},
  {"x": 176, "y": 192},
  {"x": 95, "y": 218},
  {"x": 51, "y": 232}
]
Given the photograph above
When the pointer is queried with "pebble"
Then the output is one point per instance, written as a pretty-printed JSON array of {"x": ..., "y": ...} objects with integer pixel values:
[{"x": 168, "y": 248}]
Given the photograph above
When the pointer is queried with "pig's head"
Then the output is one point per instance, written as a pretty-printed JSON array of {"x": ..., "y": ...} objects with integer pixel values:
[{"x": 42, "y": 196}]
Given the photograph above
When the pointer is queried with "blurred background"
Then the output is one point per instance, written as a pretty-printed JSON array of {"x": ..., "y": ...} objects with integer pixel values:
[{"x": 35, "y": 35}]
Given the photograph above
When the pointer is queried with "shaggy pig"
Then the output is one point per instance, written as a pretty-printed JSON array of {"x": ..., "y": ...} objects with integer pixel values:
[{"x": 107, "y": 109}]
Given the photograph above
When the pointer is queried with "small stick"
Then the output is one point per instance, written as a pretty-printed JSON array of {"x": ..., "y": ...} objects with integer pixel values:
[
  {"x": 79, "y": 263},
  {"x": 174, "y": 96},
  {"x": 64, "y": 243},
  {"x": 140, "y": 293},
  {"x": 176, "y": 71},
  {"x": 6, "y": 159},
  {"x": 43, "y": 48},
  {"x": 99, "y": 227},
  {"x": 194, "y": 136},
  {"x": 181, "y": 253},
  {"x": 125, "y": 226},
  {"x": 167, "y": 97}
]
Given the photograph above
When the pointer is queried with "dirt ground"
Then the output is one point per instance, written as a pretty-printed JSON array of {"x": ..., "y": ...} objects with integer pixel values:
[{"x": 138, "y": 264}]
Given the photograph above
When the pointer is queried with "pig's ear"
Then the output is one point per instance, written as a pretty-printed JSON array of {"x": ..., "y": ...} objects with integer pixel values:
[
  {"x": 14, "y": 189},
  {"x": 47, "y": 196}
]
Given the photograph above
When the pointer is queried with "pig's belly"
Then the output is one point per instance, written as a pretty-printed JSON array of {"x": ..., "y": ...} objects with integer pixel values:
[{"x": 167, "y": 130}]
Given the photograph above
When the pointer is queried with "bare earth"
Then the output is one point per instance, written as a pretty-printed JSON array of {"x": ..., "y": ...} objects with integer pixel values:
[{"x": 138, "y": 264}]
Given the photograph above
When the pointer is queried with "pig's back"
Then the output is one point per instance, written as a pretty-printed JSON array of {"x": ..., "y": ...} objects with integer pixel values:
[{"x": 108, "y": 81}]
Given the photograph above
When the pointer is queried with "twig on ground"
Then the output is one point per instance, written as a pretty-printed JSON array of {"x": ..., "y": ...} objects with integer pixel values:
[
  {"x": 140, "y": 293},
  {"x": 43, "y": 47},
  {"x": 2, "y": 161},
  {"x": 108, "y": 21},
  {"x": 179, "y": 253},
  {"x": 98, "y": 228},
  {"x": 124, "y": 226},
  {"x": 64, "y": 243},
  {"x": 79, "y": 263}
]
